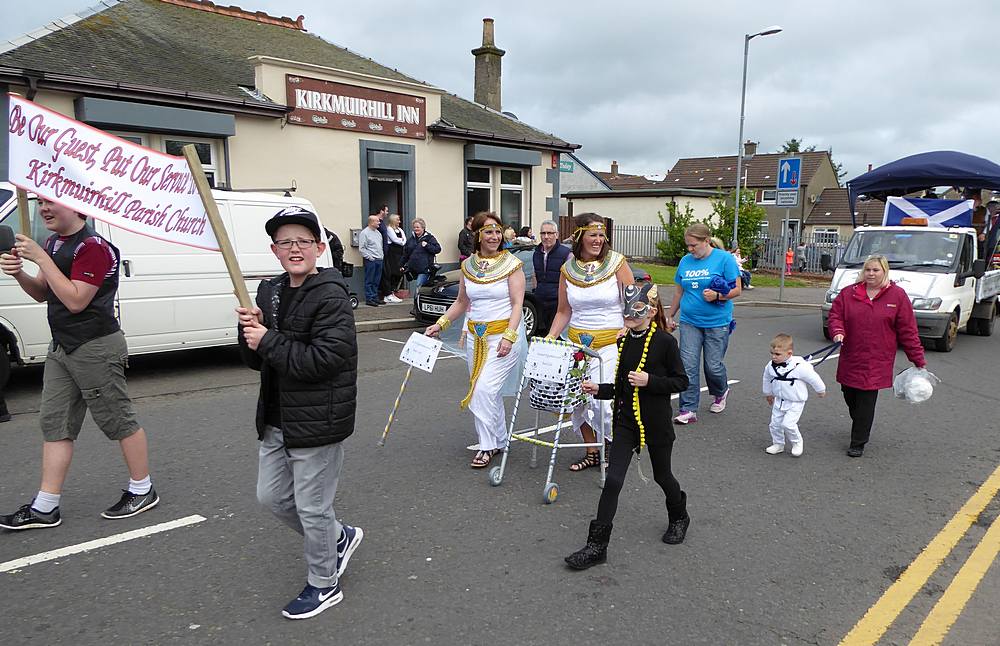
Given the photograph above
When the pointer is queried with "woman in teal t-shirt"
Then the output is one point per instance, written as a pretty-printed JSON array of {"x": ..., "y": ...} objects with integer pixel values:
[{"x": 704, "y": 311}]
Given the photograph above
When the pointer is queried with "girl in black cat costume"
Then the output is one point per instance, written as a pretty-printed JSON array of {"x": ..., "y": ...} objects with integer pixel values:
[{"x": 649, "y": 370}]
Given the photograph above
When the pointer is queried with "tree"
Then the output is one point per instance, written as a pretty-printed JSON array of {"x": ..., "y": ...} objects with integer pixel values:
[
  {"x": 673, "y": 248},
  {"x": 794, "y": 145},
  {"x": 751, "y": 215}
]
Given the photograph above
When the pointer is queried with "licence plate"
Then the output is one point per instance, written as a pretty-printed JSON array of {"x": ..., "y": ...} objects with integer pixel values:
[{"x": 431, "y": 308}]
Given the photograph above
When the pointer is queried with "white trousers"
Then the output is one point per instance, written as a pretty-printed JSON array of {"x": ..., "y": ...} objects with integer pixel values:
[
  {"x": 487, "y": 398},
  {"x": 785, "y": 421},
  {"x": 597, "y": 412}
]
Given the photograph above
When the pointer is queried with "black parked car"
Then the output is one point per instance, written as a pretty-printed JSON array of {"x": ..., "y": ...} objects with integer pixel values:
[{"x": 437, "y": 295}]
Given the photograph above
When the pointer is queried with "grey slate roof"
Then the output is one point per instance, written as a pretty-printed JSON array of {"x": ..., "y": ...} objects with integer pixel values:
[{"x": 152, "y": 43}]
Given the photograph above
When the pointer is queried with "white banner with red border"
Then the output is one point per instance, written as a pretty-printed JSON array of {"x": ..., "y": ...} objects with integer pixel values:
[{"x": 92, "y": 172}]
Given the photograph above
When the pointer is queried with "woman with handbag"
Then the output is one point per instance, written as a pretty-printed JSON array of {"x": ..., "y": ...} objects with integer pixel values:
[
  {"x": 490, "y": 296},
  {"x": 392, "y": 273}
]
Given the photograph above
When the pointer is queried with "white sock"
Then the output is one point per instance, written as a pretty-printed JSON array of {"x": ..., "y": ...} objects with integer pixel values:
[
  {"x": 45, "y": 502},
  {"x": 140, "y": 487}
]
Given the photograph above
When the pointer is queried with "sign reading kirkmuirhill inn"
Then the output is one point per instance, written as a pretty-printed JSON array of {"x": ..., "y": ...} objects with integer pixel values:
[{"x": 325, "y": 104}]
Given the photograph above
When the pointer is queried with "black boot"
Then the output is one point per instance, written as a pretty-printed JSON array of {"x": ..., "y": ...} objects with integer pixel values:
[
  {"x": 596, "y": 550},
  {"x": 679, "y": 521},
  {"x": 4, "y": 413}
]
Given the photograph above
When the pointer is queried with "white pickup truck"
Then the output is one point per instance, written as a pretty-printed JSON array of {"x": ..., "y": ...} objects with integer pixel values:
[{"x": 940, "y": 270}]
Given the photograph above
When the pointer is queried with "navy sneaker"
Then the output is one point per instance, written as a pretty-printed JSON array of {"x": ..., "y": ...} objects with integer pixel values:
[
  {"x": 27, "y": 517},
  {"x": 312, "y": 601},
  {"x": 350, "y": 538},
  {"x": 131, "y": 504}
]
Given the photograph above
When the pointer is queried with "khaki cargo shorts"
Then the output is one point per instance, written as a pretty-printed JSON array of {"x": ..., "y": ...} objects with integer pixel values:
[{"x": 91, "y": 377}]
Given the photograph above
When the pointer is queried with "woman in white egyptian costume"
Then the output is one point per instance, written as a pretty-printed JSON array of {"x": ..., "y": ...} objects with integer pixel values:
[
  {"x": 590, "y": 301},
  {"x": 490, "y": 296}
]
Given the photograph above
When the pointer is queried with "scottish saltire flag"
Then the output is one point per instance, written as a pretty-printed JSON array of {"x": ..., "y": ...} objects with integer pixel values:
[{"x": 938, "y": 213}]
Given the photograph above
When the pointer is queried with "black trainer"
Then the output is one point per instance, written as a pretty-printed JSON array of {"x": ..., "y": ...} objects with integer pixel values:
[
  {"x": 28, "y": 518},
  {"x": 131, "y": 504}
]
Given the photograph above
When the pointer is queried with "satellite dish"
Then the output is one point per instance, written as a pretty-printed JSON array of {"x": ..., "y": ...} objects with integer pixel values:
[{"x": 511, "y": 115}]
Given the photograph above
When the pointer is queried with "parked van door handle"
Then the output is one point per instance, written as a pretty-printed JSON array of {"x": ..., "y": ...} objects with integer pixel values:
[{"x": 127, "y": 266}]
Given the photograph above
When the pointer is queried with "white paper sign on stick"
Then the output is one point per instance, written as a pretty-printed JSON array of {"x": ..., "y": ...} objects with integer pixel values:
[
  {"x": 549, "y": 360},
  {"x": 421, "y": 352}
]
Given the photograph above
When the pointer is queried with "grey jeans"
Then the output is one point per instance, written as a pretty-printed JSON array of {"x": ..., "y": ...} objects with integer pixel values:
[{"x": 298, "y": 486}]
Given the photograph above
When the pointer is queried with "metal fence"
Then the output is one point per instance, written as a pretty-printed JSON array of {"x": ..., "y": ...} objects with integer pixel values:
[
  {"x": 636, "y": 240},
  {"x": 811, "y": 254}
]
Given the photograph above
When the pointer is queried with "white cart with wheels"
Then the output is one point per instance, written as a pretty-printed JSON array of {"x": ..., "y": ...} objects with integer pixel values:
[{"x": 554, "y": 388}]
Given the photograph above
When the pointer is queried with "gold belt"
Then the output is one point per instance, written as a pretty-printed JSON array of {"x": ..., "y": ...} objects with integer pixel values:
[
  {"x": 480, "y": 330},
  {"x": 595, "y": 339}
]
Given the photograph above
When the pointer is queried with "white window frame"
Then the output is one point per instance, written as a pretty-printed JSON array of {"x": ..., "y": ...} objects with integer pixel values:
[
  {"x": 159, "y": 142},
  {"x": 495, "y": 188},
  {"x": 764, "y": 198}
]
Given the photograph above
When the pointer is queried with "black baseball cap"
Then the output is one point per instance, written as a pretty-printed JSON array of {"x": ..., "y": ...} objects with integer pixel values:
[{"x": 294, "y": 215}]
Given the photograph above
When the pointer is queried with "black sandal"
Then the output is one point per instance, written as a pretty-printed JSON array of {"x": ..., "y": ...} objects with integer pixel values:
[
  {"x": 483, "y": 459},
  {"x": 587, "y": 461}
]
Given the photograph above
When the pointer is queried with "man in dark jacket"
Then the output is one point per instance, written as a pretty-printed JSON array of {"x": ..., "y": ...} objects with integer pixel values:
[
  {"x": 301, "y": 337},
  {"x": 548, "y": 260}
]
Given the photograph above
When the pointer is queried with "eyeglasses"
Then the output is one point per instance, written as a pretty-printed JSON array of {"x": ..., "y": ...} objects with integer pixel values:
[{"x": 287, "y": 244}]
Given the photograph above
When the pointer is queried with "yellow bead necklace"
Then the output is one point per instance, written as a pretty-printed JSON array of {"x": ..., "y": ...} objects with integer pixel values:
[{"x": 635, "y": 389}]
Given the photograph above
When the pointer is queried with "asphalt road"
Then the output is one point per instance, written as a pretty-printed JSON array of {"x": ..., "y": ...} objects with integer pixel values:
[{"x": 780, "y": 551}]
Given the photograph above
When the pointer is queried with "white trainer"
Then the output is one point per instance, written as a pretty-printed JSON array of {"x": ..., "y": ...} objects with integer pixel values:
[
  {"x": 797, "y": 449},
  {"x": 719, "y": 404},
  {"x": 775, "y": 449}
]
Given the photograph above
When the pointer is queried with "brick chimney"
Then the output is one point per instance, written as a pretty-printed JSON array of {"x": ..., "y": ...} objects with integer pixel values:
[
  {"x": 749, "y": 148},
  {"x": 614, "y": 168},
  {"x": 488, "y": 69}
]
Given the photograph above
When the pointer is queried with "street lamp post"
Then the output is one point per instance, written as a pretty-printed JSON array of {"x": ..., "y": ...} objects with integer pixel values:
[{"x": 739, "y": 154}]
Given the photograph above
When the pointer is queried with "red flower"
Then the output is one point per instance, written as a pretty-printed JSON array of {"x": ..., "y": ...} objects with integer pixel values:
[{"x": 578, "y": 355}]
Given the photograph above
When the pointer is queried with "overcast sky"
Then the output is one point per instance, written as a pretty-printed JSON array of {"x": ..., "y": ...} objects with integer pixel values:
[{"x": 645, "y": 83}]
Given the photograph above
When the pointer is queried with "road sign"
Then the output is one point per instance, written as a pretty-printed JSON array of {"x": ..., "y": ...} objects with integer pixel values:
[
  {"x": 789, "y": 173},
  {"x": 787, "y": 198},
  {"x": 565, "y": 167}
]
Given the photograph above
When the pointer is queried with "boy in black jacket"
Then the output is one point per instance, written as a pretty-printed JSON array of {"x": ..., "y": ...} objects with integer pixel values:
[
  {"x": 301, "y": 337},
  {"x": 649, "y": 370}
]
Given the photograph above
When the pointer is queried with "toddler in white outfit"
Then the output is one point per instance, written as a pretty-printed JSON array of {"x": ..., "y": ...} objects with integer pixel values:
[{"x": 785, "y": 379}]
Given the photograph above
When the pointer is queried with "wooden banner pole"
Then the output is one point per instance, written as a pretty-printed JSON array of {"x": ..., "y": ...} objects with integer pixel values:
[
  {"x": 212, "y": 209},
  {"x": 22, "y": 210}
]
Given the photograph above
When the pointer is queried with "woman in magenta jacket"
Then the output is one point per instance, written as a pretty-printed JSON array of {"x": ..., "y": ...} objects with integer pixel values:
[{"x": 872, "y": 318}]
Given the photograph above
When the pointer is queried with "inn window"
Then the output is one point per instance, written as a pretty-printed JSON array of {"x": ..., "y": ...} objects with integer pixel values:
[
  {"x": 208, "y": 150},
  {"x": 498, "y": 189}
]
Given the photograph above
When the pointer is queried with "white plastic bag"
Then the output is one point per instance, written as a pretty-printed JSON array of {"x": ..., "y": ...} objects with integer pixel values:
[{"x": 914, "y": 385}]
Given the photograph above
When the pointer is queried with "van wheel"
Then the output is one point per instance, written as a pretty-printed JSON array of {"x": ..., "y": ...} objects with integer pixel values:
[
  {"x": 4, "y": 367},
  {"x": 826, "y": 333},
  {"x": 947, "y": 342},
  {"x": 983, "y": 327}
]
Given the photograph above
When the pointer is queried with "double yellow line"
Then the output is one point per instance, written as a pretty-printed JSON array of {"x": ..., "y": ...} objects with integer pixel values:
[{"x": 948, "y": 608}]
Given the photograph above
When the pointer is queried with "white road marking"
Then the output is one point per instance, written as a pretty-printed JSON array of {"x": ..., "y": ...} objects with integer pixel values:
[
  {"x": 51, "y": 555},
  {"x": 530, "y": 432}
]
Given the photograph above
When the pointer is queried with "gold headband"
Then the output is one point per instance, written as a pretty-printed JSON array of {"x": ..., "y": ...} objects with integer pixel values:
[
  {"x": 492, "y": 226},
  {"x": 593, "y": 226}
]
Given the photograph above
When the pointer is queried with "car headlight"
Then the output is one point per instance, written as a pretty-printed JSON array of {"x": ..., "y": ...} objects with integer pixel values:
[
  {"x": 830, "y": 295},
  {"x": 926, "y": 303}
]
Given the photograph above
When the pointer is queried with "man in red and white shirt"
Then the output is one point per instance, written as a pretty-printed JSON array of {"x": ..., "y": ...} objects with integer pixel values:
[{"x": 85, "y": 365}]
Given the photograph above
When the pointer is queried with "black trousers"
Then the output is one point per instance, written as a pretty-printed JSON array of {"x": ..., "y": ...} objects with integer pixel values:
[
  {"x": 861, "y": 405},
  {"x": 622, "y": 449}
]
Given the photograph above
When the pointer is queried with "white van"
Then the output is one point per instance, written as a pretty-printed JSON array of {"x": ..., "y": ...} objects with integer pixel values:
[{"x": 170, "y": 296}]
